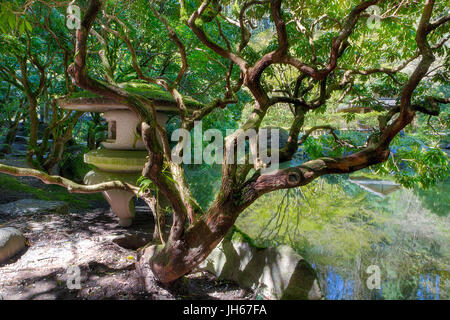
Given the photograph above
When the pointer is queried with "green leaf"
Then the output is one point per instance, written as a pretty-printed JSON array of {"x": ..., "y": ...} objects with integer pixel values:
[
  {"x": 22, "y": 27},
  {"x": 28, "y": 26}
]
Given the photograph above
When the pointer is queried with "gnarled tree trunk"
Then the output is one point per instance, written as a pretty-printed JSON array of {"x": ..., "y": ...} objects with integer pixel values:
[{"x": 195, "y": 234}]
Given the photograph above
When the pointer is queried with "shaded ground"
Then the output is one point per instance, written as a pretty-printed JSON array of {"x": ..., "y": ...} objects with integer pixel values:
[
  {"x": 17, "y": 188},
  {"x": 86, "y": 237}
]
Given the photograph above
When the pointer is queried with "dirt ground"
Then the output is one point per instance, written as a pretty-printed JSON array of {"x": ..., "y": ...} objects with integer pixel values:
[{"x": 103, "y": 251}]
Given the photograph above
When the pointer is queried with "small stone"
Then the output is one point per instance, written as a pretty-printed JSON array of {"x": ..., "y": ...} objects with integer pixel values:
[{"x": 11, "y": 242}]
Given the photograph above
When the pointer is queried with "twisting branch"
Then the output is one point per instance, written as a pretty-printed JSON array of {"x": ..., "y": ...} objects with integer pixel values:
[
  {"x": 109, "y": 73},
  {"x": 332, "y": 131},
  {"x": 245, "y": 33},
  {"x": 387, "y": 70},
  {"x": 338, "y": 45},
  {"x": 225, "y": 53},
  {"x": 164, "y": 84},
  {"x": 66, "y": 183},
  {"x": 377, "y": 149},
  {"x": 177, "y": 41},
  {"x": 434, "y": 25},
  {"x": 145, "y": 110},
  {"x": 190, "y": 206}
]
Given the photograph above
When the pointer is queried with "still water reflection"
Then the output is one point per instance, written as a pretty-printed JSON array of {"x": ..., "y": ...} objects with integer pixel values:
[{"x": 342, "y": 228}]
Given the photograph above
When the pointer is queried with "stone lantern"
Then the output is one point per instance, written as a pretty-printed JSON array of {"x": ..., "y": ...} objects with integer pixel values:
[{"x": 123, "y": 154}]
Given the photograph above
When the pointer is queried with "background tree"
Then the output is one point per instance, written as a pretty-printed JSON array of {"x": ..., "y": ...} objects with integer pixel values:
[
  {"x": 35, "y": 51},
  {"x": 14, "y": 113}
]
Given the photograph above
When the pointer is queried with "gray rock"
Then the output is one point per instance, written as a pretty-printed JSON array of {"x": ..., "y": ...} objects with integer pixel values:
[
  {"x": 276, "y": 273},
  {"x": 11, "y": 242},
  {"x": 32, "y": 206}
]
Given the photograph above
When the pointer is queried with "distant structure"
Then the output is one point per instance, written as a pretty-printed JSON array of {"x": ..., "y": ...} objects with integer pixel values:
[
  {"x": 357, "y": 108},
  {"x": 377, "y": 187}
]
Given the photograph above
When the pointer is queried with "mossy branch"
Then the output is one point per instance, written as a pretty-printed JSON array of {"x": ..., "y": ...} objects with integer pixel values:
[{"x": 71, "y": 186}]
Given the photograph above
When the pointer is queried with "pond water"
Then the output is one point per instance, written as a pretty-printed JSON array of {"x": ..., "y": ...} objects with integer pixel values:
[
  {"x": 343, "y": 287},
  {"x": 342, "y": 229}
]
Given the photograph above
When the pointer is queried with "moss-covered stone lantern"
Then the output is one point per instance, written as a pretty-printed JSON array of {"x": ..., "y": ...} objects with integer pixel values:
[{"x": 123, "y": 154}]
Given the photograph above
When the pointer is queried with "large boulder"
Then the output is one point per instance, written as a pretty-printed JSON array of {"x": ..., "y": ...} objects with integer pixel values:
[
  {"x": 274, "y": 272},
  {"x": 11, "y": 242},
  {"x": 32, "y": 206}
]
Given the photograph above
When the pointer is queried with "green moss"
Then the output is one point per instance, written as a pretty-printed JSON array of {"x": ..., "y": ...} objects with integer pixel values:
[
  {"x": 238, "y": 235},
  {"x": 48, "y": 192},
  {"x": 119, "y": 154},
  {"x": 156, "y": 93},
  {"x": 83, "y": 94},
  {"x": 149, "y": 91},
  {"x": 117, "y": 160},
  {"x": 97, "y": 176}
]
